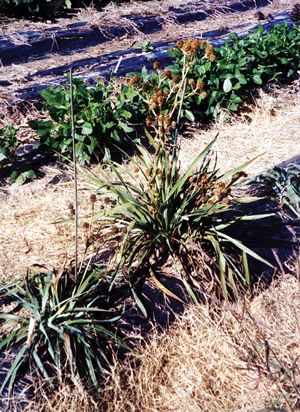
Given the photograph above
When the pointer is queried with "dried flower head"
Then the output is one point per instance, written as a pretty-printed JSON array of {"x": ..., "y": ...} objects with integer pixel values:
[
  {"x": 136, "y": 169},
  {"x": 203, "y": 43},
  {"x": 145, "y": 87},
  {"x": 212, "y": 57},
  {"x": 70, "y": 206},
  {"x": 160, "y": 100},
  {"x": 93, "y": 198},
  {"x": 136, "y": 79},
  {"x": 191, "y": 82},
  {"x": 173, "y": 124},
  {"x": 114, "y": 230},
  {"x": 152, "y": 106},
  {"x": 106, "y": 199},
  {"x": 203, "y": 95},
  {"x": 160, "y": 117},
  {"x": 155, "y": 89},
  {"x": 176, "y": 79},
  {"x": 85, "y": 225},
  {"x": 226, "y": 201},
  {"x": 179, "y": 44},
  {"x": 209, "y": 50},
  {"x": 200, "y": 85},
  {"x": 168, "y": 74},
  {"x": 165, "y": 93},
  {"x": 195, "y": 44},
  {"x": 156, "y": 65},
  {"x": 149, "y": 121},
  {"x": 167, "y": 121},
  {"x": 186, "y": 46},
  {"x": 148, "y": 172},
  {"x": 114, "y": 202}
]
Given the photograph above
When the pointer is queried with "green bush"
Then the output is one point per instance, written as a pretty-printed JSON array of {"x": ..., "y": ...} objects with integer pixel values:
[
  {"x": 8, "y": 144},
  {"x": 100, "y": 121},
  {"x": 38, "y": 6},
  {"x": 229, "y": 72}
]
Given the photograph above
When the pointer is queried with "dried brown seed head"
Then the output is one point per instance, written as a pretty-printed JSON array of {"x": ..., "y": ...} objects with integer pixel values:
[
  {"x": 168, "y": 74},
  {"x": 179, "y": 44},
  {"x": 160, "y": 100},
  {"x": 145, "y": 87},
  {"x": 203, "y": 43},
  {"x": 106, "y": 199},
  {"x": 93, "y": 198},
  {"x": 176, "y": 79},
  {"x": 156, "y": 65},
  {"x": 114, "y": 230},
  {"x": 85, "y": 225},
  {"x": 209, "y": 50},
  {"x": 136, "y": 79},
  {"x": 200, "y": 85},
  {"x": 212, "y": 57},
  {"x": 203, "y": 95}
]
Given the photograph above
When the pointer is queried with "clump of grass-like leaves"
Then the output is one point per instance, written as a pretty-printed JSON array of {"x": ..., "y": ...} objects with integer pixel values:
[
  {"x": 57, "y": 327},
  {"x": 162, "y": 212}
]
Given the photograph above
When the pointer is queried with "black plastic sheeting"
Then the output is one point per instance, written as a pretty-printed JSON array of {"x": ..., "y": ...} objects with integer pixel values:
[
  {"x": 92, "y": 69},
  {"x": 75, "y": 38}
]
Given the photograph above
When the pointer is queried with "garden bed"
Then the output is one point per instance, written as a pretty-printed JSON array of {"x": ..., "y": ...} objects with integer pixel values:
[{"x": 29, "y": 239}]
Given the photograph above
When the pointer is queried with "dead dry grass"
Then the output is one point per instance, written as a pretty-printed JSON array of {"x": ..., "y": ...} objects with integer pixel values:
[
  {"x": 269, "y": 128},
  {"x": 212, "y": 359}
]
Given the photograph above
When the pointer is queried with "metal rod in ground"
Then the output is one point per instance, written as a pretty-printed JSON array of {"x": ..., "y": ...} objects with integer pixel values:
[
  {"x": 178, "y": 118},
  {"x": 75, "y": 173}
]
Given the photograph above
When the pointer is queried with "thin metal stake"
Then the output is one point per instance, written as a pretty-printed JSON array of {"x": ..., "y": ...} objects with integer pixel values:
[
  {"x": 178, "y": 118},
  {"x": 75, "y": 173}
]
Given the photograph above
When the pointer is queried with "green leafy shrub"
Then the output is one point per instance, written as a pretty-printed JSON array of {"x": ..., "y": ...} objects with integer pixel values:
[
  {"x": 243, "y": 63},
  {"x": 8, "y": 144},
  {"x": 100, "y": 117},
  {"x": 227, "y": 73},
  {"x": 58, "y": 326},
  {"x": 38, "y": 6}
]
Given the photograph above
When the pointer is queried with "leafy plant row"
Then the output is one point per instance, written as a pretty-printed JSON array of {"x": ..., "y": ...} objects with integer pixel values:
[{"x": 217, "y": 79}]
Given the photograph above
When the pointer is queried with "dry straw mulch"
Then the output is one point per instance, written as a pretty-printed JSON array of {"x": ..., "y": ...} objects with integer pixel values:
[{"x": 212, "y": 359}]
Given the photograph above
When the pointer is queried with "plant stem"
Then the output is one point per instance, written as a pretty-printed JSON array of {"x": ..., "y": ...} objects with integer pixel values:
[{"x": 75, "y": 173}]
